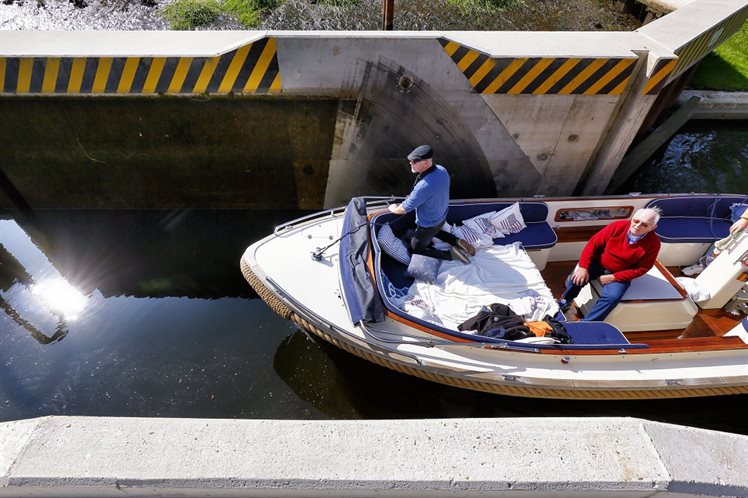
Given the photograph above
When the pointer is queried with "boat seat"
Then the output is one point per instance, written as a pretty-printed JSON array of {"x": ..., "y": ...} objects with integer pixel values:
[
  {"x": 654, "y": 301},
  {"x": 595, "y": 333},
  {"x": 537, "y": 238},
  {"x": 696, "y": 218},
  {"x": 692, "y": 222},
  {"x": 538, "y": 233}
]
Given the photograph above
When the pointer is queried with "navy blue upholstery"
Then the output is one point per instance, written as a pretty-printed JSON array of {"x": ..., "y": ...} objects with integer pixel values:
[
  {"x": 538, "y": 234},
  {"x": 595, "y": 333},
  {"x": 694, "y": 218}
]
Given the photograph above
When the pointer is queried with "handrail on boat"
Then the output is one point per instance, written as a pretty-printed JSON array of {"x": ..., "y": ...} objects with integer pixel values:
[{"x": 370, "y": 202}]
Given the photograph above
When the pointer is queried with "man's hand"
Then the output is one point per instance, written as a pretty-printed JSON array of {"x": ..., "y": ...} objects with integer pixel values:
[
  {"x": 607, "y": 279},
  {"x": 396, "y": 209},
  {"x": 739, "y": 225},
  {"x": 580, "y": 276}
]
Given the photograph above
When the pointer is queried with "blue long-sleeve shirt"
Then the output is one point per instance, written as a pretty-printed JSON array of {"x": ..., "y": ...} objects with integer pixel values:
[{"x": 430, "y": 197}]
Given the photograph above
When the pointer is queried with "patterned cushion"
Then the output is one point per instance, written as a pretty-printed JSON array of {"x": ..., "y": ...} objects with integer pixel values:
[
  {"x": 509, "y": 220},
  {"x": 423, "y": 268},
  {"x": 482, "y": 224},
  {"x": 393, "y": 246},
  {"x": 476, "y": 239}
]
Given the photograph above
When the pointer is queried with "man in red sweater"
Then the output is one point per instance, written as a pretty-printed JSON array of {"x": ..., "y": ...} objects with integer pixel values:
[{"x": 617, "y": 254}]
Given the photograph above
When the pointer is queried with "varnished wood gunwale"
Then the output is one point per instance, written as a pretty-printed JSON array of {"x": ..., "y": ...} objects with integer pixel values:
[{"x": 674, "y": 344}]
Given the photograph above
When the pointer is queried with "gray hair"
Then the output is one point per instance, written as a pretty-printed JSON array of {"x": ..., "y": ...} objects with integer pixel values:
[{"x": 655, "y": 211}]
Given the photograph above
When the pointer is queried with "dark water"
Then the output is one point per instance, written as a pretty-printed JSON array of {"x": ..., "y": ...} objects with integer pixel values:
[
  {"x": 167, "y": 326},
  {"x": 702, "y": 157}
]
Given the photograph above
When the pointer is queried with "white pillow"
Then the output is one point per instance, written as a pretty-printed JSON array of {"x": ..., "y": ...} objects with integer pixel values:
[
  {"x": 481, "y": 224},
  {"x": 393, "y": 246},
  {"x": 476, "y": 239},
  {"x": 509, "y": 220}
]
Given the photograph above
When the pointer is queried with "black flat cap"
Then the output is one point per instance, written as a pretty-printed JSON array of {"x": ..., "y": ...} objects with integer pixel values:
[{"x": 421, "y": 152}]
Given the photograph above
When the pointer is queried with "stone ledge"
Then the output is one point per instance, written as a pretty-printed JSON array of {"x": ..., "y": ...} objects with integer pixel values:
[
  {"x": 717, "y": 105},
  {"x": 612, "y": 457}
]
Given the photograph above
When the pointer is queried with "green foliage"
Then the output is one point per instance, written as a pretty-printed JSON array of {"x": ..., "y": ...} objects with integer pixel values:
[
  {"x": 191, "y": 14},
  {"x": 249, "y": 12},
  {"x": 727, "y": 67},
  {"x": 484, "y": 5},
  {"x": 340, "y": 3}
]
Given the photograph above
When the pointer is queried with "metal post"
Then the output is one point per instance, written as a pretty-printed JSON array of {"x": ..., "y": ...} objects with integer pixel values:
[{"x": 388, "y": 6}]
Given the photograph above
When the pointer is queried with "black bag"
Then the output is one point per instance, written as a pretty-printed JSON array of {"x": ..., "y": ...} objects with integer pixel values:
[
  {"x": 558, "y": 331},
  {"x": 498, "y": 321}
]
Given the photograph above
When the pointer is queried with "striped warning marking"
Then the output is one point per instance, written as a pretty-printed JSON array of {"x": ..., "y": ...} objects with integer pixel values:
[
  {"x": 540, "y": 75},
  {"x": 663, "y": 68},
  {"x": 251, "y": 68},
  {"x": 696, "y": 49}
]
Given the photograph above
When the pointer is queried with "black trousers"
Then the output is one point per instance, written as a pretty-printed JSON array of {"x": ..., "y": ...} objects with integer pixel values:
[{"x": 422, "y": 241}]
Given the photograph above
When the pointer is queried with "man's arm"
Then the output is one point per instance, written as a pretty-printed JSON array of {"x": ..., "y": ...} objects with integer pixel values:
[{"x": 595, "y": 246}]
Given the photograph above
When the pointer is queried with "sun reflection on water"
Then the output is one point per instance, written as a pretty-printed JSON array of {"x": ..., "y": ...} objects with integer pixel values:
[{"x": 61, "y": 297}]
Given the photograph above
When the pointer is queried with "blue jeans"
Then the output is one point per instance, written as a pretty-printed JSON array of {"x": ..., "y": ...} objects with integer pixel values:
[{"x": 611, "y": 293}]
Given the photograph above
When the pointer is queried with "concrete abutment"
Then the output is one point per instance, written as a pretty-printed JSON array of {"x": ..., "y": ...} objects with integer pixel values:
[
  {"x": 509, "y": 113},
  {"x": 529, "y": 457}
]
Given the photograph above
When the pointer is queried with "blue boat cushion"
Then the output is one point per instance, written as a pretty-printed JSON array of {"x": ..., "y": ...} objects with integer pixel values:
[
  {"x": 538, "y": 234},
  {"x": 692, "y": 229},
  {"x": 392, "y": 245},
  {"x": 736, "y": 211},
  {"x": 595, "y": 333},
  {"x": 423, "y": 268},
  {"x": 695, "y": 218}
]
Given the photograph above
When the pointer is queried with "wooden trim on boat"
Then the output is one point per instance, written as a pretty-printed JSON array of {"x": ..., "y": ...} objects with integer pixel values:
[
  {"x": 661, "y": 346},
  {"x": 670, "y": 278},
  {"x": 577, "y": 234},
  {"x": 524, "y": 390},
  {"x": 425, "y": 329}
]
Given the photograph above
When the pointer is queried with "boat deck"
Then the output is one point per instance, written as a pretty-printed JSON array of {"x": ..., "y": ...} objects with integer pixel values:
[{"x": 707, "y": 323}]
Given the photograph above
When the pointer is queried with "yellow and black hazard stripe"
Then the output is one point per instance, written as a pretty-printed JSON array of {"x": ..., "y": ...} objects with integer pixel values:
[
  {"x": 696, "y": 49},
  {"x": 252, "y": 68},
  {"x": 540, "y": 75},
  {"x": 663, "y": 68}
]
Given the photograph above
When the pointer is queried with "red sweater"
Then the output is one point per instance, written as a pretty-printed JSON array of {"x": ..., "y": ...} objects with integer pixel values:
[{"x": 610, "y": 247}]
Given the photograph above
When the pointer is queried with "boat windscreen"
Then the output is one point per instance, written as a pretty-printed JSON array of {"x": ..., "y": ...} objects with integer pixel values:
[{"x": 359, "y": 292}]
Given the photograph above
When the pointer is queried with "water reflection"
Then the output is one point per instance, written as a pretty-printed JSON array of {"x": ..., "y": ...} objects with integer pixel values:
[
  {"x": 170, "y": 328},
  {"x": 34, "y": 294},
  {"x": 341, "y": 385}
]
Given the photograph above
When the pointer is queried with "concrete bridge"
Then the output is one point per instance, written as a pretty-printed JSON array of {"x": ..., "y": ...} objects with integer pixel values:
[{"x": 329, "y": 115}]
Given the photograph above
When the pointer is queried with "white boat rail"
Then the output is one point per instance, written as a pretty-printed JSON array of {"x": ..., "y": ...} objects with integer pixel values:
[{"x": 370, "y": 202}]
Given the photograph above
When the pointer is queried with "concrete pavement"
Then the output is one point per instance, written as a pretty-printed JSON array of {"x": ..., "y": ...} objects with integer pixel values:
[{"x": 529, "y": 457}]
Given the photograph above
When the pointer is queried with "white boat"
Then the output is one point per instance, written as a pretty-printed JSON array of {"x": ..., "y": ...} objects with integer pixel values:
[{"x": 328, "y": 272}]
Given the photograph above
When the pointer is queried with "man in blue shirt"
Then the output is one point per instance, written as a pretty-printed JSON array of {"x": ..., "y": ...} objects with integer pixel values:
[{"x": 430, "y": 199}]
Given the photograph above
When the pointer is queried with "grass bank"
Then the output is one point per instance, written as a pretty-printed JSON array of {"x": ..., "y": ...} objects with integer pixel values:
[{"x": 727, "y": 67}]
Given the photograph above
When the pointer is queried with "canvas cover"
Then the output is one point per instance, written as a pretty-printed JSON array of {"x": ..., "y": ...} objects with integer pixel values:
[{"x": 359, "y": 292}]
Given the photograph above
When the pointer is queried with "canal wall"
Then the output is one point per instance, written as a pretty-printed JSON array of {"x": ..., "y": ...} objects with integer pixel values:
[
  {"x": 509, "y": 113},
  {"x": 529, "y": 457}
]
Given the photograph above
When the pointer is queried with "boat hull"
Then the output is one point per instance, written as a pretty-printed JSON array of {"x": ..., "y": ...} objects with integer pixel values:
[{"x": 562, "y": 374}]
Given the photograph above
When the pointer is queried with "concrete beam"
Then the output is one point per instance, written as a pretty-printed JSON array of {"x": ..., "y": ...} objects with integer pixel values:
[
  {"x": 717, "y": 105},
  {"x": 612, "y": 457}
]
